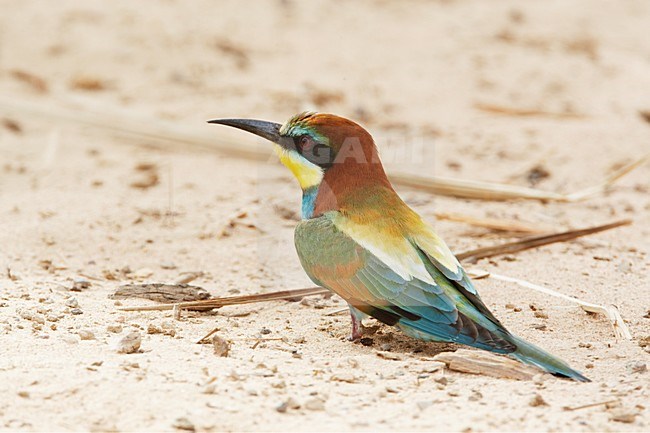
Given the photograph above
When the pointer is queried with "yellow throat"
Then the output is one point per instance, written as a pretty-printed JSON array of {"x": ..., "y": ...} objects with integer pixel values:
[{"x": 307, "y": 173}]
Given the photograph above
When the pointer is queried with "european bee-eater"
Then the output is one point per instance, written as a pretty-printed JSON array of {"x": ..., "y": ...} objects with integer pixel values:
[{"x": 358, "y": 239}]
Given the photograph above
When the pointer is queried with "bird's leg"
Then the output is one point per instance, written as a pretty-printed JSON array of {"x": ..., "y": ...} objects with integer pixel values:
[{"x": 357, "y": 327}]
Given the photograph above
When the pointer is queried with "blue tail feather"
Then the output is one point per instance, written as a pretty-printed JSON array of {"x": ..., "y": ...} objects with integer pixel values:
[{"x": 531, "y": 354}]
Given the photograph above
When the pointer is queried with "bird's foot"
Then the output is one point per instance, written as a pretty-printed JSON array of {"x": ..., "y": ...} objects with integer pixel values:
[{"x": 357, "y": 328}]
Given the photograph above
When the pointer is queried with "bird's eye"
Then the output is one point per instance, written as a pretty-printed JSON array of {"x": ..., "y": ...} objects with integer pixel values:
[{"x": 304, "y": 140}]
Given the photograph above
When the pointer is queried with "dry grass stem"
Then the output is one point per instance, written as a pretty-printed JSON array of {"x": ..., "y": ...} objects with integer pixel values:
[
  {"x": 608, "y": 182},
  {"x": 494, "y": 223},
  {"x": 524, "y": 112},
  {"x": 474, "y": 189},
  {"x": 534, "y": 242},
  {"x": 586, "y": 406},
  {"x": 161, "y": 131}
]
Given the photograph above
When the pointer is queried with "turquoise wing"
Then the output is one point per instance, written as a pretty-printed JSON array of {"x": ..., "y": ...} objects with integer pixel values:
[{"x": 438, "y": 311}]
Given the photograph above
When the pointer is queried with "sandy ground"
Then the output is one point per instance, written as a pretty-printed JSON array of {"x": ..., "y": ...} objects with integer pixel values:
[{"x": 69, "y": 209}]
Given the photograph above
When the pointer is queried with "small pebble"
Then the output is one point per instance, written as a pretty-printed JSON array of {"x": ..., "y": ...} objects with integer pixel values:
[
  {"x": 72, "y": 302},
  {"x": 623, "y": 415},
  {"x": 221, "y": 346},
  {"x": 344, "y": 377},
  {"x": 210, "y": 389},
  {"x": 130, "y": 343},
  {"x": 166, "y": 325},
  {"x": 537, "y": 400},
  {"x": 389, "y": 356},
  {"x": 70, "y": 339},
  {"x": 153, "y": 329},
  {"x": 80, "y": 284},
  {"x": 85, "y": 334},
  {"x": 366, "y": 341},
  {"x": 290, "y": 403},
  {"x": 31, "y": 316},
  {"x": 442, "y": 380},
  {"x": 315, "y": 404},
  {"x": 142, "y": 274},
  {"x": 306, "y": 302},
  {"x": 76, "y": 311},
  {"x": 114, "y": 329},
  {"x": 183, "y": 423},
  {"x": 637, "y": 367},
  {"x": 541, "y": 314},
  {"x": 280, "y": 384}
]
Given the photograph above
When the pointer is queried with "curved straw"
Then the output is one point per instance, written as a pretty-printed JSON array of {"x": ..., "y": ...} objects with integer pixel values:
[{"x": 620, "y": 328}]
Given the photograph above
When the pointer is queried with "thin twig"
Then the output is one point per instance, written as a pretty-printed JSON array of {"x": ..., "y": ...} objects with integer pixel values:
[
  {"x": 585, "y": 406},
  {"x": 208, "y": 335},
  {"x": 493, "y": 223},
  {"x": 235, "y": 300},
  {"x": 337, "y": 311},
  {"x": 534, "y": 242}
]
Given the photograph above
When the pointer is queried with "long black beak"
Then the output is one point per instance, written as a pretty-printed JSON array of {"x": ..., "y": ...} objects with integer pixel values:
[{"x": 268, "y": 130}]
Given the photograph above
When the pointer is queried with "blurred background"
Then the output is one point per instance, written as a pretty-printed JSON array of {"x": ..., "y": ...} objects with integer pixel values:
[
  {"x": 435, "y": 69},
  {"x": 553, "y": 95},
  {"x": 538, "y": 94}
]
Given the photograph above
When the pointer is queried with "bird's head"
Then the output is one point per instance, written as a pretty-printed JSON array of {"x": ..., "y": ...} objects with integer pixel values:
[{"x": 314, "y": 144}]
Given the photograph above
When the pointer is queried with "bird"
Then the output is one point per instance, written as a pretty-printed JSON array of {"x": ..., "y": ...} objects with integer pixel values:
[{"x": 360, "y": 240}]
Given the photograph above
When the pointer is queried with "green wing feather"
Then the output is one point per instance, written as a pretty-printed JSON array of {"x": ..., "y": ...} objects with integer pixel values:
[{"x": 439, "y": 311}]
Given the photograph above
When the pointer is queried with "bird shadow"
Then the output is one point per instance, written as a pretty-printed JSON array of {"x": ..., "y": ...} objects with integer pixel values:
[{"x": 389, "y": 339}]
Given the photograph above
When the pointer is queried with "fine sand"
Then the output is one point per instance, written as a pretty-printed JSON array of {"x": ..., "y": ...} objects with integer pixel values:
[{"x": 544, "y": 94}]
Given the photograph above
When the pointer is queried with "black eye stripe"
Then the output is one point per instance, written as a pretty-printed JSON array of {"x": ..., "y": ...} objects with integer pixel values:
[{"x": 313, "y": 151}]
